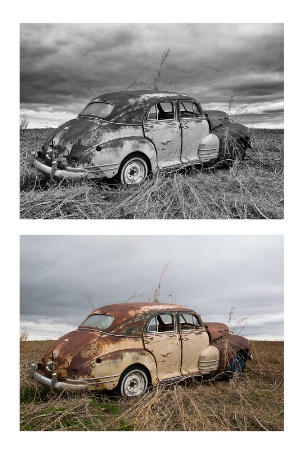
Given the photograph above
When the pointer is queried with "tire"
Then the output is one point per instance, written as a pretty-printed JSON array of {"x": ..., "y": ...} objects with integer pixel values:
[
  {"x": 238, "y": 364},
  {"x": 133, "y": 382},
  {"x": 133, "y": 170},
  {"x": 232, "y": 147}
]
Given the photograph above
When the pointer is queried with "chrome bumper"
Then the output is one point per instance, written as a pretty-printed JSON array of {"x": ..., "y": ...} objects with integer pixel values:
[
  {"x": 106, "y": 382},
  {"x": 54, "y": 384},
  {"x": 54, "y": 172}
]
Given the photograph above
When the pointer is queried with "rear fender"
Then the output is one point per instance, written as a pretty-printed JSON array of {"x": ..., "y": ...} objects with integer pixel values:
[
  {"x": 112, "y": 153},
  {"x": 113, "y": 365}
]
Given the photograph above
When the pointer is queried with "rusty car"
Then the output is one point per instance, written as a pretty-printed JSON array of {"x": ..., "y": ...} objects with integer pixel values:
[
  {"x": 128, "y": 135},
  {"x": 128, "y": 347}
]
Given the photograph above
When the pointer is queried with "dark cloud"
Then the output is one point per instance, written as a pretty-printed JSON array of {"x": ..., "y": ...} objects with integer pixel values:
[
  {"x": 62, "y": 275},
  {"x": 64, "y": 64}
]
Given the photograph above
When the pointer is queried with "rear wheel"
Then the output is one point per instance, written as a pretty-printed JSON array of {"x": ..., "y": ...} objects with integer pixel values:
[
  {"x": 133, "y": 170},
  {"x": 133, "y": 382}
]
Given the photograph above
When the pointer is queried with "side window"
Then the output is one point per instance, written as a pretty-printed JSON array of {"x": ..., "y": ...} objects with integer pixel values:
[
  {"x": 152, "y": 115},
  {"x": 152, "y": 326},
  {"x": 196, "y": 110},
  {"x": 189, "y": 321},
  {"x": 189, "y": 110},
  {"x": 161, "y": 324},
  {"x": 161, "y": 111}
]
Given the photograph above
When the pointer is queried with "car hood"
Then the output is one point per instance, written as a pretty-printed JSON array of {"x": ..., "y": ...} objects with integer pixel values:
[
  {"x": 216, "y": 118},
  {"x": 216, "y": 330}
]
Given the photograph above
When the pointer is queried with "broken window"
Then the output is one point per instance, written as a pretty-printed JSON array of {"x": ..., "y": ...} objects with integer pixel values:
[
  {"x": 189, "y": 110},
  {"x": 161, "y": 323},
  {"x": 161, "y": 111},
  {"x": 189, "y": 321}
]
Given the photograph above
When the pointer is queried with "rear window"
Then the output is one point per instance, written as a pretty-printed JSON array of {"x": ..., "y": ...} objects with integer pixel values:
[
  {"x": 98, "y": 109},
  {"x": 98, "y": 321}
]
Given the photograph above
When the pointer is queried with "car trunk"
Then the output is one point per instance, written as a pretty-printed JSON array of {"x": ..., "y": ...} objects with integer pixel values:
[
  {"x": 65, "y": 351},
  {"x": 68, "y": 142}
]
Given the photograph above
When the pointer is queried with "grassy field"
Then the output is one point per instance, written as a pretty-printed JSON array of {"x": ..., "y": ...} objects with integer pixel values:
[
  {"x": 252, "y": 402},
  {"x": 252, "y": 189}
]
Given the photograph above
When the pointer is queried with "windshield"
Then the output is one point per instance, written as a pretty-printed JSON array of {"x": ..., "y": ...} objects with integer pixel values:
[
  {"x": 98, "y": 109},
  {"x": 98, "y": 321}
]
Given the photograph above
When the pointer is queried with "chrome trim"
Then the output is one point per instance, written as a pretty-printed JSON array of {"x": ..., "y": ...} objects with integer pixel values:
[
  {"x": 113, "y": 165},
  {"x": 206, "y": 366},
  {"x": 55, "y": 172},
  {"x": 94, "y": 380},
  {"x": 69, "y": 384}
]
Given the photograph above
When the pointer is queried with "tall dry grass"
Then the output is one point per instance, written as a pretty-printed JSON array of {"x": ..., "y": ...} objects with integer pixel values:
[
  {"x": 251, "y": 189},
  {"x": 252, "y": 402}
]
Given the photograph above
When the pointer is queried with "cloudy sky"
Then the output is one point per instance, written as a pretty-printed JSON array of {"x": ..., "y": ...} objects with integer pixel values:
[
  {"x": 64, "y": 277},
  {"x": 63, "y": 66}
]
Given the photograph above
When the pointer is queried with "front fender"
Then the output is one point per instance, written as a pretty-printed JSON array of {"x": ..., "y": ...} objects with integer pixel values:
[
  {"x": 234, "y": 140},
  {"x": 228, "y": 346}
]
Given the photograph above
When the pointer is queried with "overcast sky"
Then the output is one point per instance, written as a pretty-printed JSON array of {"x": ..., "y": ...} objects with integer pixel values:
[
  {"x": 62, "y": 275},
  {"x": 63, "y": 66}
]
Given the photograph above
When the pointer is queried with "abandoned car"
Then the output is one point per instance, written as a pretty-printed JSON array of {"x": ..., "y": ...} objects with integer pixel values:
[
  {"x": 129, "y": 134},
  {"x": 129, "y": 346}
]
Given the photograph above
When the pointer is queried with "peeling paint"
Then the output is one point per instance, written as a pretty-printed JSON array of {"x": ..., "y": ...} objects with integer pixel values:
[
  {"x": 87, "y": 145},
  {"x": 94, "y": 358}
]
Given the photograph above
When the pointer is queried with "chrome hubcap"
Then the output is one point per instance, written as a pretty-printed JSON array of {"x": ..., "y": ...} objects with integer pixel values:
[
  {"x": 134, "y": 384},
  {"x": 134, "y": 172}
]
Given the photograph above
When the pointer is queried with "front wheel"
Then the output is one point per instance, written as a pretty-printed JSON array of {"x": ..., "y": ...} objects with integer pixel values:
[
  {"x": 133, "y": 170},
  {"x": 133, "y": 382},
  {"x": 232, "y": 146},
  {"x": 238, "y": 364}
]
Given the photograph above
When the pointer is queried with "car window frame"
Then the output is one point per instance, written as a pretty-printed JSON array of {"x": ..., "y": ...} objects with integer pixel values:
[
  {"x": 175, "y": 109},
  {"x": 94, "y": 327},
  {"x": 190, "y": 330},
  {"x": 162, "y": 313},
  {"x": 94, "y": 115},
  {"x": 202, "y": 114}
]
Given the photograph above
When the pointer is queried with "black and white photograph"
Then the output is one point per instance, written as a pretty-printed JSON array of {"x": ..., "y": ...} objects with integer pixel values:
[{"x": 151, "y": 120}]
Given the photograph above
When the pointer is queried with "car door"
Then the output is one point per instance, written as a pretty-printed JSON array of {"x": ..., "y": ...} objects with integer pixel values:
[
  {"x": 194, "y": 127},
  {"x": 162, "y": 128},
  {"x": 162, "y": 339},
  {"x": 194, "y": 340}
]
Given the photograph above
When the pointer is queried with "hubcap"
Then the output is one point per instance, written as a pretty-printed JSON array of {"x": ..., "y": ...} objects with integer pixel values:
[
  {"x": 134, "y": 384},
  {"x": 134, "y": 172}
]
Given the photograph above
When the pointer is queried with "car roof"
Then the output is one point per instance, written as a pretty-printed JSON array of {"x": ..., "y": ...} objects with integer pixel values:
[
  {"x": 129, "y": 106},
  {"x": 130, "y": 318}
]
